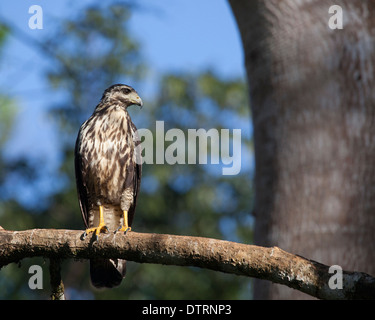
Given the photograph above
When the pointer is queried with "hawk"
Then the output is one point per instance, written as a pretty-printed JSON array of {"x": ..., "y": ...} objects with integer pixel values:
[{"x": 108, "y": 175}]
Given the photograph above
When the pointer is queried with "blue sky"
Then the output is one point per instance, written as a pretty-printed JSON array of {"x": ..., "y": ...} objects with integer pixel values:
[{"x": 184, "y": 35}]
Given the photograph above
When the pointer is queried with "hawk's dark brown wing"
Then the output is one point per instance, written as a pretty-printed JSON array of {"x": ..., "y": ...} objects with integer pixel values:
[
  {"x": 80, "y": 170},
  {"x": 137, "y": 183},
  {"x": 137, "y": 175}
]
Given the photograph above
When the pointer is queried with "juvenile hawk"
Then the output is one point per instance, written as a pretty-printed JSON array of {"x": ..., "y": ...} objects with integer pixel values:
[{"x": 108, "y": 176}]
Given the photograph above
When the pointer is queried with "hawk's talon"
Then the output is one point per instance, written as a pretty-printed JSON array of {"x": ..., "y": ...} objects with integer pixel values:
[
  {"x": 123, "y": 228},
  {"x": 97, "y": 230},
  {"x": 101, "y": 227}
]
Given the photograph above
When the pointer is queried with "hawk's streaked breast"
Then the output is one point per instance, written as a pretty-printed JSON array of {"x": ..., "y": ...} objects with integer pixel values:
[{"x": 108, "y": 143}]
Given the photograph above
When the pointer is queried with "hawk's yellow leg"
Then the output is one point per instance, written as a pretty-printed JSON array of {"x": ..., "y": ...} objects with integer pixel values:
[
  {"x": 125, "y": 227},
  {"x": 101, "y": 227}
]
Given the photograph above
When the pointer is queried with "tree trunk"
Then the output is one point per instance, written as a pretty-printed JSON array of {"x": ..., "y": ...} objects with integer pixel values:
[{"x": 312, "y": 93}]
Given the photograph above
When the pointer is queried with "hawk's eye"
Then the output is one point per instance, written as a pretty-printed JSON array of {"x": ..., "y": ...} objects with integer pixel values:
[{"x": 126, "y": 91}]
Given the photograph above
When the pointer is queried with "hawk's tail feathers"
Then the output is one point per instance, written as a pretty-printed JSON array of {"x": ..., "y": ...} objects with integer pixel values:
[{"x": 106, "y": 273}]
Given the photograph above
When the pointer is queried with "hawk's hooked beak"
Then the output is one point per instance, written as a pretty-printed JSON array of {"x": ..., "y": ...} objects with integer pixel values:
[
  {"x": 139, "y": 102},
  {"x": 135, "y": 99}
]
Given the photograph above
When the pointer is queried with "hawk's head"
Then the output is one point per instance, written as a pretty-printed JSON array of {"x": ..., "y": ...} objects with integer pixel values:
[{"x": 122, "y": 93}]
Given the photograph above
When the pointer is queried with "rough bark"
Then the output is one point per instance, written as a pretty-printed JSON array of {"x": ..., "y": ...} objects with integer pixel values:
[
  {"x": 313, "y": 107},
  {"x": 271, "y": 264},
  {"x": 57, "y": 285}
]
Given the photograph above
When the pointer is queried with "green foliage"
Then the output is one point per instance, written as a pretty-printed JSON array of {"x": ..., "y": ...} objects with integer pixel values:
[
  {"x": 95, "y": 52},
  {"x": 7, "y": 105},
  {"x": 4, "y": 31},
  {"x": 8, "y": 111},
  {"x": 7, "y": 116}
]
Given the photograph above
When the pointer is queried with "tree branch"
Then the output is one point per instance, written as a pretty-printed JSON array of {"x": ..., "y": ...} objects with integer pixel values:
[
  {"x": 271, "y": 264},
  {"x": 57, "y": 286}
]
